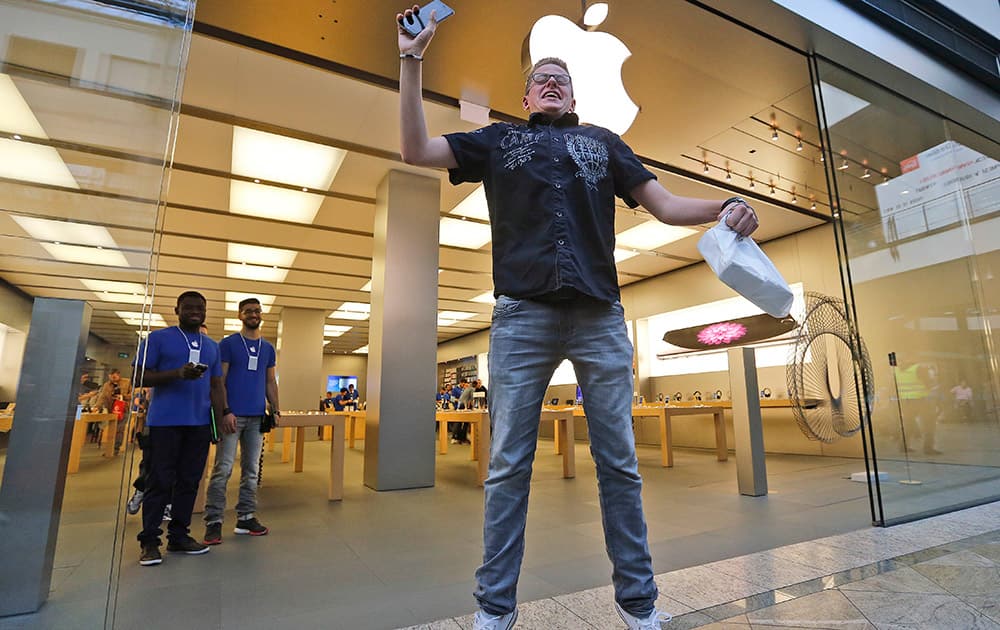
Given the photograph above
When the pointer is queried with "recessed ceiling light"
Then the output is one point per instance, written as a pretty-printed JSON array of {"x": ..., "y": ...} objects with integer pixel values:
[
  {"x": 352, "y": 310},
  {"x": 138, "y": 318},
  {"x": 25, "y": 161},
  {"x": 114, "y": 291},
  {"x": 362, "y": 350},
  {"x": 652, "y": 234},
  {"x": 464, "y": 234},
  {"x": 331, "y": 330},
  {"x": 485, "y": 298},
  {"x": 73, "y": 242},
  {"x": 264, "y": 260},
  {"x": 473, "y": 206},
  {"x": 367, "y": 286},
  {"x": 449, "y": 318}
]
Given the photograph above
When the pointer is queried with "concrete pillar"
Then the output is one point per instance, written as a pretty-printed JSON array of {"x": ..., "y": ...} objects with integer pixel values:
[
  {"x": 402, "y": 338},
  {"x": 300, "y": 357},
  {"x": 34, "y": 477}
]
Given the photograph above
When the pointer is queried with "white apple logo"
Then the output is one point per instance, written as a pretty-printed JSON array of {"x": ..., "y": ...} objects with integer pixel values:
[{"x": 595, "y": 62}]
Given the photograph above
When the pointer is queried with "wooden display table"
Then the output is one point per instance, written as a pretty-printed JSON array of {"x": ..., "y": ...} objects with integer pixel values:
[
  {"x": 480, "y": 436},
  {"x": 6, "y": 422},
  {"x": 299, "y": 422},
  {"x": 355, "y": 425},
  {"x": 80, "y": 436}
]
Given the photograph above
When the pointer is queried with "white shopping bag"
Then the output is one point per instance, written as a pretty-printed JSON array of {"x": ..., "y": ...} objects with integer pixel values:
[{"x": 743, "y": 267}]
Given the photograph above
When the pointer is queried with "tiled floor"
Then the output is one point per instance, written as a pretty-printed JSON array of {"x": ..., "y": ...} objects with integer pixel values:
[
  {"x": 377, "y": 561},
  {"x": 898, "y": 582}
]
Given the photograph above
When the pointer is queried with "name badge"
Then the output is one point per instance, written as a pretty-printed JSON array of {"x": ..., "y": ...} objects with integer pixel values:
[
  {"x": 252, "y": 364},
  {"x": 194, "y": 355}
]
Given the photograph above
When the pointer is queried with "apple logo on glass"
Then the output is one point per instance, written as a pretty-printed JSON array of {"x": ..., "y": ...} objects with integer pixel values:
[{"x": 595, "y": 61}]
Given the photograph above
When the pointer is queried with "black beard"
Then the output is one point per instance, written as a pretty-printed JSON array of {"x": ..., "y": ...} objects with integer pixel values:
[{"x": 252, "y": 326}]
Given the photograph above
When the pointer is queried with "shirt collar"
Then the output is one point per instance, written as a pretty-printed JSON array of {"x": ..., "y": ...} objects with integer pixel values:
[{"x": 569, "y": 119}]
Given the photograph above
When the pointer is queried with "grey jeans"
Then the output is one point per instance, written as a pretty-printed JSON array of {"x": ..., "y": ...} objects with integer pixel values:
[{"x": 250, "y": 440}]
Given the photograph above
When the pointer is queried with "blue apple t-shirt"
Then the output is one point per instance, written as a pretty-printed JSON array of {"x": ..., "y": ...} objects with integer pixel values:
[
  {"x": 246, "y": 388},
  {"x": 182, "y": 402}
]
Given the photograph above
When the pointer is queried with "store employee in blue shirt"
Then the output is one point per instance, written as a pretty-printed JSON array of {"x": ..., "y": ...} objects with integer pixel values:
[
  {"x": 183, "y": 368},
  {"x": 248, "y": 372}
]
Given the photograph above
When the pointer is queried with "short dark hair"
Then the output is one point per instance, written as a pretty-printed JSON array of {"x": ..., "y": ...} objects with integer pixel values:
[
  {"x": 343, "y": 389},
  {"x": 544, "y": 61},
  {"x": 114, "y": 371},
  {"x": 249, "y": 300},
  {"x": 190, "y": 294}
]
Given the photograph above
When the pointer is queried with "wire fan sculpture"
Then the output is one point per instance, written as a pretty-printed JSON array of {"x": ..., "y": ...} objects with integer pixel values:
[{"x": 825, "y": 371}]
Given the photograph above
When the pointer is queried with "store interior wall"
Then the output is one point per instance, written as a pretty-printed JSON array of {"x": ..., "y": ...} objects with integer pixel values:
[{"x": 343, "y": 365}]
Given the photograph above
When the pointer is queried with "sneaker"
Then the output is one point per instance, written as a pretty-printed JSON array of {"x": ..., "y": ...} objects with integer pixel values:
[
  {"x": 166, "y": 512},
  {"x": 135, "y": 502},
  {"x": 187, "y": 545},
  {"x": 250, "y": 526},
  {"x": 485, "y": 621},
  {"x": 213, "y": 534},
  {"x": 653, "y": 621},
  {"x": 150, "y": 554}
]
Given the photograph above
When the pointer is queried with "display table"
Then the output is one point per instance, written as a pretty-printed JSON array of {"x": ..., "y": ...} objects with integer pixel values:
[
  {"x": 299, "y": 421},
  {"x": 6, "y": 422},
  {"x": 354, "y": 422},
  {"x": 480, "y": 436},
  {"x": 80, "y": 436}
]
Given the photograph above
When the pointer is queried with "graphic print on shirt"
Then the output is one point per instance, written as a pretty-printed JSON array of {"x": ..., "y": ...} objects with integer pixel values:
[
  {"x": 591, "y": 155},
  {"x": 518, "y": 147}
]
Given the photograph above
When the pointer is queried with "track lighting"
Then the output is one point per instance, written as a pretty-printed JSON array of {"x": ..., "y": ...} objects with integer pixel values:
[
  {"x": 844, "y": 166},
  {"x": 729, "y": 176},
  {"x": 867, "y": 174},
  {"x": 706, "y": 167},
  {"x": 774, "y": 134},
  {"x": 798, "y": 147}
]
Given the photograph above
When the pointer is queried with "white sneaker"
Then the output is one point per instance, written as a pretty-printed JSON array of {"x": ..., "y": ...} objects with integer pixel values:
[
  {"x": 484, "y": 621},
  {"x": 135, "y": 502},
  {"x": 166, "y": 512},
  {"x": 654, "y": 621}
]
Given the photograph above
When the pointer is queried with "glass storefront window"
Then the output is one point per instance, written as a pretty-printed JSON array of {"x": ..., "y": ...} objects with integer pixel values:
[
  {"x": 919, "y": 220},
  {"x": 88, "y": 113}
]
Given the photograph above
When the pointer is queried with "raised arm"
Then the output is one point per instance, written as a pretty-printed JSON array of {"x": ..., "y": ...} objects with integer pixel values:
[
  {"x": 675, "y": 210},
  {"x": 416, "y": 146}
]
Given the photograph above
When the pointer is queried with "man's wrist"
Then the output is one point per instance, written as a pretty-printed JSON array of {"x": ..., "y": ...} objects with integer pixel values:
[
  {"x": 226, "y": 411},
  {"x": 731, "y": 201}
]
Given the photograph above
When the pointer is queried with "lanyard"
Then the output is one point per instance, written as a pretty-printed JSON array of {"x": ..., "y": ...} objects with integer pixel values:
[
  {"x": 249, "y": 349},
  {"x": 191, "y": 344}
]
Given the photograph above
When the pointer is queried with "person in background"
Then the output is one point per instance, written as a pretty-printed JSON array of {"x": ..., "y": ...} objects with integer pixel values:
[
  {"x": 443, "y": 398},
  {"x": 115, "y": 389},
  {"x": 184, "y": 369},
  {"x": 340, "y": 400},
  {"x": 251, "y": 385},
  {"x": 550, "y": 187},
  {"x": 327, "y": 402},
  {"x": 963, "y": 400},
  {"x": 352, "y": 393}
]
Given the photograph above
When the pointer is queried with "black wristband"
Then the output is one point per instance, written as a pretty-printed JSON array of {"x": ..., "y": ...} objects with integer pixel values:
[{"x": 226, "y": 411}]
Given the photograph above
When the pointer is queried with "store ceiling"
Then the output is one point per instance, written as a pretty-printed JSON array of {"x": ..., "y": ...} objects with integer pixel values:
[{"x": 708, "y": 93}]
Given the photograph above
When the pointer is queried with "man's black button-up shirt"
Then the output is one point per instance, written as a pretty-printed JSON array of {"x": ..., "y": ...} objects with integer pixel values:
[{"x": 550, "y": 187}]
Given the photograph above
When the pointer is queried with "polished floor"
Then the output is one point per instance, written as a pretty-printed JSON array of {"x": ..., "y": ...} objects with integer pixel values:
[{"x": 401, "y": 559}]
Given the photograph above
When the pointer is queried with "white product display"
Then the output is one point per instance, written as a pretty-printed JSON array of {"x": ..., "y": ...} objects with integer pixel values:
[{"x": 743, "y": 267}]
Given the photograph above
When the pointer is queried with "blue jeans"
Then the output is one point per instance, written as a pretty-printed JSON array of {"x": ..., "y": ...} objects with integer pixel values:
[
  {"x": 250, "y": 439},
  {"x": 528, "y": 340}
]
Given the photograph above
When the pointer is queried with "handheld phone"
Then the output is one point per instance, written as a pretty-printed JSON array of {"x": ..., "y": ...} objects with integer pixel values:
[
  {"x": 201, "y": 367},
  {"x": 416, "y": 23}
]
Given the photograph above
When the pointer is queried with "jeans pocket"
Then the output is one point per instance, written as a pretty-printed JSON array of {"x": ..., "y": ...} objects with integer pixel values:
[{"x": 505, "y": 306}]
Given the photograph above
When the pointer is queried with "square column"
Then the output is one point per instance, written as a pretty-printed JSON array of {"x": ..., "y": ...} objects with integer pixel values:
[
  {"x": 748, "y": 429},
  {"x": 402, "y": 338},
  {"x": 34, "y": 476},
  {"x": 301, "y": 381}
]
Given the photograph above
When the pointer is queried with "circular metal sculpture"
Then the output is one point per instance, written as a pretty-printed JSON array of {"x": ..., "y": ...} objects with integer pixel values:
[{"x": 827, "y": 370}]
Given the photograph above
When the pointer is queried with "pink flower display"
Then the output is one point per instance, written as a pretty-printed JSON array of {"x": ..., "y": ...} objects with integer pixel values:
[{"x": 721, "y": 334}]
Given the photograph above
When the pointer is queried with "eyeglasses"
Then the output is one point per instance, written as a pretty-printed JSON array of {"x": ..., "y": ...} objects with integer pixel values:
[
  {"x": 248, "y": 311},
  {"x": 541, "y": 78}
]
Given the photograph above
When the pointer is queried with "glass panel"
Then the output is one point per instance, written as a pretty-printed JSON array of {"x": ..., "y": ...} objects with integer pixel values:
[
  {"x": 88, "y": 110},
  {"x": 919, "y": 201}
]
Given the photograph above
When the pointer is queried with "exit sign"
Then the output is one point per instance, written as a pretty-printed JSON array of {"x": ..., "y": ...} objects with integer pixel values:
[{"x": 123, "y": 355}]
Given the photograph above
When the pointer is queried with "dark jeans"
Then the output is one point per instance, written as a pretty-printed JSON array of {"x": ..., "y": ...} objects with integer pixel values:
[{"x": 176, "y": 459}]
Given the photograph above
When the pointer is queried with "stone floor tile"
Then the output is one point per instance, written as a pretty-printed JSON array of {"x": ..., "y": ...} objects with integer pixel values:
[
  {"x": 701, "y": 587},
  {"x": 828, "y": 609},
  {"x": 926, "y": 611},
  {"x": 903, "y": 580}
]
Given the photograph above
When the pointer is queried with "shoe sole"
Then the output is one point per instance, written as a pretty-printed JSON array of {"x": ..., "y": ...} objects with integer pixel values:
[
  {"x": 244, "y": 532},
  {"x": 213, "y": 541},
  {"x": 150, "y": 563},
  {"x": 190, "y": 553}
]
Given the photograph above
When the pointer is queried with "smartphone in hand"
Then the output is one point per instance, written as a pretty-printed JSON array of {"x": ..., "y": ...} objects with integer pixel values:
[{"x": 419, "y": 19}]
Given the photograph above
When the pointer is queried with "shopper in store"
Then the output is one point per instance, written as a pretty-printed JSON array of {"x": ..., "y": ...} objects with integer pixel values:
[
  {"x": 184, "y": 369},
  {"x": 111, "y": 398},
  {"x": 248, "y": 371},
  {"x": 327, "y": 402},
  {"x": 551, "y": 186},
  {"x": 460, "y": 430}
]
